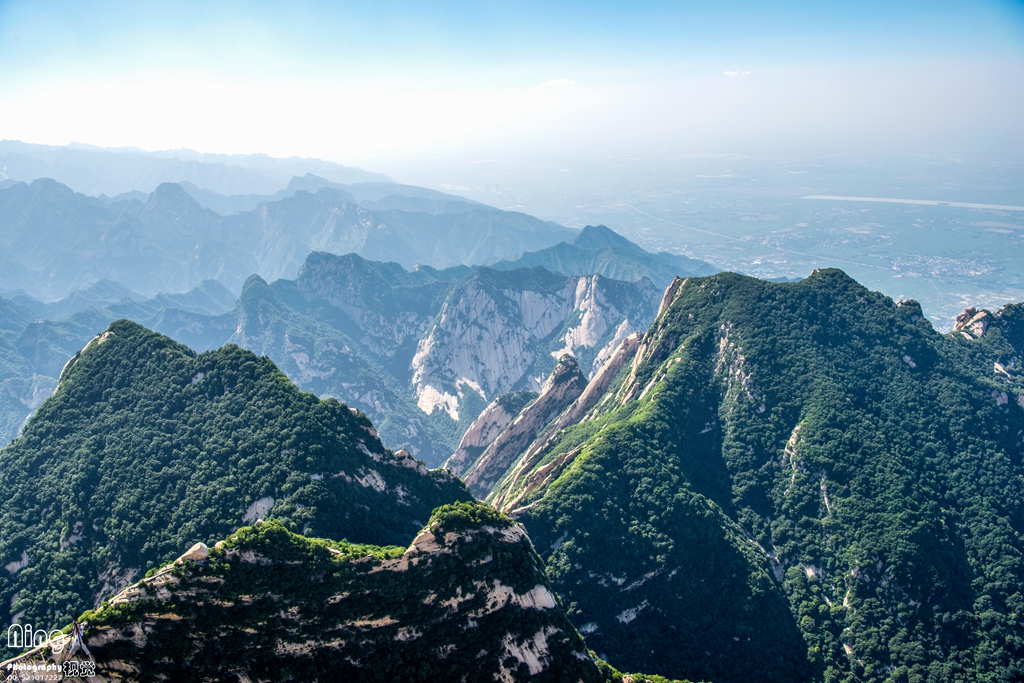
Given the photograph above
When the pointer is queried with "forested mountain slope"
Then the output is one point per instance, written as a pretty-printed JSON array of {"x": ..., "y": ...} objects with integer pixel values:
[
  {"x": 795, "y": 482},
  {"x": 147, "y": 447},
  {"x": 37, "y": 339}
]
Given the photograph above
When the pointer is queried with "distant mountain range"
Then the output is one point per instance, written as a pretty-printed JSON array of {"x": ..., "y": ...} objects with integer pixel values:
[
  {"x": 600, "y": 250},
  {"x": 106, "y": 171},
  {"x": 56, "y": 241},
  {"x": 383, "y": 196},
  {"x": 166, "y": 221},
  {"x": 421, "y": 349},
  {"x": 37, "y": 339},
  {"x": 421, "y": 352}
]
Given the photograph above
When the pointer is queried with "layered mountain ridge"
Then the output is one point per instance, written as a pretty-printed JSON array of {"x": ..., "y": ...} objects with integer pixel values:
[
  {"x": 103, "y": 171},
  {"x": 412, "y": 349},
  {"x": 776, "y": 481},
  {"x": 37, "y": 339},
  {"x": 57, "y": 241},
  {"x": 147, "y": 446},
  {"x": 792, "y": 482}
]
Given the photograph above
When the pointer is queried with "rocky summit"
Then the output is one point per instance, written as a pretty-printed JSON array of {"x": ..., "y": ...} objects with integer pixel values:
[
  {"x": 466, "y": 601},
  {"x": 564, "y": 386}
]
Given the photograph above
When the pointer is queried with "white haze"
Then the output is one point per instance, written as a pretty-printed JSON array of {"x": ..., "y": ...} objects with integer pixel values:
[{"x": 916, "y": 106}]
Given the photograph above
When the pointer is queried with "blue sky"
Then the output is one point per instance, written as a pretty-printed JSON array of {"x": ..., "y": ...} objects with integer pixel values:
[{"x": 354, "y": 80}]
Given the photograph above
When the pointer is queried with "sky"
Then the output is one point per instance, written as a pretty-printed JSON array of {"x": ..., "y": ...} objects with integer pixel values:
[{"x": 361, "y": 82}]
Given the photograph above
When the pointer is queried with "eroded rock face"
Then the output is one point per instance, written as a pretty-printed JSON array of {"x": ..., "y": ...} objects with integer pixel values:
[
  {"x": 564, "y": 386},
  {"x": 197, "y": 553},
  {"x": 503, "y": 330},
  {"x": 973, "y": 323},
  {"x": 268, "y": 605},
  {"x": 486, "y": 428},
  {"x": 508, "y": 499}
]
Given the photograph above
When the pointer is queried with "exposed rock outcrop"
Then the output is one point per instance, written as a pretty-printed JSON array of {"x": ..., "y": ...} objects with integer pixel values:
[
  {"x": 486, "y": 428},
  {"x": 269, "y": 605},
  {"x": 503, "y": 329},
  {"x": 972, "y": 323},
  {"x": 509, "y": 499},
  {"x": 564, "y": 386},
  {"x": 670, "y": 295}
]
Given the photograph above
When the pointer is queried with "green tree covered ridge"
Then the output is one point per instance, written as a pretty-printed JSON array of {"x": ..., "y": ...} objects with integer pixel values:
[
  {"x": 467, "y": 600},
  {"x": 147, "y": 447},
  {"x": 795, "y": 482}
]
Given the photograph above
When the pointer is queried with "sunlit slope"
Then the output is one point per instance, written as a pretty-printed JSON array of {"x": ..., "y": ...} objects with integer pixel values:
[
  {"x": 147, "y": 447},
  {"x": 794, "y": 481}
]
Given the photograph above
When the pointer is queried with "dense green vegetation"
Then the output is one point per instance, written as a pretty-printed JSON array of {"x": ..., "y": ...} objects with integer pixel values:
[
  {"x": 147, "y": 447},
  {"x": 280, "y": 607},
  {"x": 37, "y": 339},
  {"x": 799, "y": 482}
]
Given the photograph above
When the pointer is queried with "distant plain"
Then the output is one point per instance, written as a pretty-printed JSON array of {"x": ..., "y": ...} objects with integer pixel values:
[{"x": 752, "y": 215}]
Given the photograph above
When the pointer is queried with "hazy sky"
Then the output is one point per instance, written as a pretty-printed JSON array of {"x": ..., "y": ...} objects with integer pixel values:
[{"x": 354, "y": 82}]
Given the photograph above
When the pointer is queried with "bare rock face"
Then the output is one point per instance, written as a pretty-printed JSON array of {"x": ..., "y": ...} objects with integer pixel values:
[
  {"x": 197, "y": 553},
  {"x": 486, "y": 428},
  {"x": 564, "y": 386},
  {"x": 597, "y": 388},
  {"x": 670, "y": 294},
  {"x": 484, "y": 339},
  {"x": 972, "y": 323},
  {"x": 503, "y": 329}
]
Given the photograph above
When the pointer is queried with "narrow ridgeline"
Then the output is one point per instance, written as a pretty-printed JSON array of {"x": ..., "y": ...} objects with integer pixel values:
[{"x": 468, "y": 600}]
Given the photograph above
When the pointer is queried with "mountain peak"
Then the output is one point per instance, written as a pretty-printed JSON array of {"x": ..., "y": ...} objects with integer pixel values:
[
  {"x": 265, "y": 450},
  {"x": 167, "y": 191},
  {"x": 170, "y": 201},
  {"x": 600, "y": 236},
  {"x": 566, "y": 370}
]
